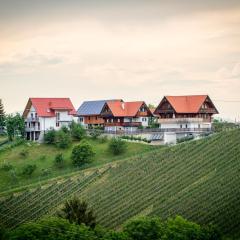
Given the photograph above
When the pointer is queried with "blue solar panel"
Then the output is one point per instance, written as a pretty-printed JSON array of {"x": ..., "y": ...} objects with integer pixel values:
[{"x": 91, "y": 107}]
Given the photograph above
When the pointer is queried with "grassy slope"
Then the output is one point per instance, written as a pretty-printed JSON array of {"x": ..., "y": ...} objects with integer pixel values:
[
  {"x": 198, "y": 180},
  {"x": 43, "y": 156}
]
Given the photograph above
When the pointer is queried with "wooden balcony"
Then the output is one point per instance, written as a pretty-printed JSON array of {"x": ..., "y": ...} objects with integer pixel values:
[
  {"x": 123, "y": 124},
  {"x": 142, "y": 114}
]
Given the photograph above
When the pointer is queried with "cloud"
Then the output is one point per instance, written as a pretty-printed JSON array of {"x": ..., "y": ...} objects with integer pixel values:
[{"x": 20, "y": 62}]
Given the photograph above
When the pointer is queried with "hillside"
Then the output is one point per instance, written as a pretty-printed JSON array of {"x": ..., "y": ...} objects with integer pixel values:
[
  {"x": 198, "y": 180},
  {"x": 43, "y": 156}
]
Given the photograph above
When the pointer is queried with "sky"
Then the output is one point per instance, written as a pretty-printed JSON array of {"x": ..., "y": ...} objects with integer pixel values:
[{"x": 133, "y": 50}]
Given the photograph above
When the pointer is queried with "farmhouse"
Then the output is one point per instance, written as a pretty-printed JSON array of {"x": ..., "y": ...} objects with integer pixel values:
[
  {"x": 89, "y": 113},
  {"x": 125, "y": 116},
  {"x": 185, "y": 115},
  {"x": 42, "y": 114}
]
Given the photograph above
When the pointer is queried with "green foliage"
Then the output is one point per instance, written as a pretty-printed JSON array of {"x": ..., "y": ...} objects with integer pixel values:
[
  {"x": 219, "y": 126},
  {"x": 82, "y": 153},
  {"x": 77, "y": 131},
  {"x": 63, "y": 138},
  {"x": 7, "y": 167},
  {"x": 59, "y": 160},
  {"x": 2, "y": 117},
  {"x": 185, "y": 139},
  {"x": 49, "y": 136},
  {"x": 95, "y": 133},
  {"x": 15, "y": 126},
  {"x": 78, "y": 212},
  {"x": 29, "y": 169},
  {"x": 145, "y": 228},
  {"x": 117, "y": 146},
  {"x": 3, "y": 233},
  {"x": 52, "y": 229},
  {"x": 103, "y": 139},
  {"x": 133, "y": 138}
]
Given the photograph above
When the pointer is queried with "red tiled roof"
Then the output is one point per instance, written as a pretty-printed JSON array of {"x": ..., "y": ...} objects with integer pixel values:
[
  {"x": 124, "y": 109},
  {"x": 186, "y": 104},
  {"x": 45, "y": 106}
]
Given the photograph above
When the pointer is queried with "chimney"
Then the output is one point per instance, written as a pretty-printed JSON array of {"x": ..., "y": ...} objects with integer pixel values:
[{"x": 123, "y": 105}]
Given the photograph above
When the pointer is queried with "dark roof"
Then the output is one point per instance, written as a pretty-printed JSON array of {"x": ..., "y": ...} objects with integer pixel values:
[{"x": 91, "y": 107}]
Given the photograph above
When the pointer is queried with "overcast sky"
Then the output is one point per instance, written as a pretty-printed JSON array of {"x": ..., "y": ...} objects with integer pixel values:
[{"x": 134, "y": 50}]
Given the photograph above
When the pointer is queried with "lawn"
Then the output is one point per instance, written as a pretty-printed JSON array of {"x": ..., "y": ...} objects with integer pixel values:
[{"x": 43, "y": 155}]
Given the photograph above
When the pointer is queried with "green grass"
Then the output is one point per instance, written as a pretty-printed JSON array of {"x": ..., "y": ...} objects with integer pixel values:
[
  {"x": 43, "y": 156},
  {"x": 198, "y": 180}
]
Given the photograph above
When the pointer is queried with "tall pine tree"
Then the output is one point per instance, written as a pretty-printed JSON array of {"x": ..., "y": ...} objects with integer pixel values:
[{"x": 2, "y": 116}]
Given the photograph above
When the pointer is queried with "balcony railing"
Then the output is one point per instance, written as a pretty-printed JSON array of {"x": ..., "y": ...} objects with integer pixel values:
[
  {"x": 32, "y": 129},
  {"x": 32, "y": 119},
  {"x": 184, "y": 120},
  {"x": 123, "y": 124}
]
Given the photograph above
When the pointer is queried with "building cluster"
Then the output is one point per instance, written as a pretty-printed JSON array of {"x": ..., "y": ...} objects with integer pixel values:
[{"x": 175, "y": 116}]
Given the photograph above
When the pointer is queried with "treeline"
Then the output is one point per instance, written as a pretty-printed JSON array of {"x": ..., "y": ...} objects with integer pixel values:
[{"x": 76, "y": 221}]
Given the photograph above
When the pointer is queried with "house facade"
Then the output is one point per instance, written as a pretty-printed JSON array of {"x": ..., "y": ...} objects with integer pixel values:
[
  {"x": 89, "y": 113},
  {"x": 43, "y": 114},
  {"x": 185, "y": 115},
  {"x": 125, "y": 116}
]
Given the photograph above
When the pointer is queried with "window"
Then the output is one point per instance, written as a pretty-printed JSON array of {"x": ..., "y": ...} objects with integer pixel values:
[
  {"x": 180, "y": 125},
  {"x": 58, "y": 116},
  {"x": 32, "y": 115},
  {"x": 80, "y": 119},
  {"x": 57, "y": 124},
  {"x": 96, "y": 118},
  {"x": 89, "y": 118},
  {"x": 186, "y": 125}
]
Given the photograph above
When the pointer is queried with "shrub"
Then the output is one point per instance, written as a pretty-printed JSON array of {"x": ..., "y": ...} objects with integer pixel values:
[
  {"x": 7, "y": 167},
  {"x": 45, "y": 172},
  {"x": 42, "y": 157},
  {"x": 77, "y": 131},
  {"x": 49, "y": 136},
  {"x": 82, "y": 153},
  {"x": 29, "y": 169},
  {"x": 24, "y": 153},
  {"x": 145, "y": 228},
  {"x": 59, "y": 160},
  {"x": 95, "y": 133},
  {"x": 63, "y": 139},
  {"x": 117, "y": 146}
]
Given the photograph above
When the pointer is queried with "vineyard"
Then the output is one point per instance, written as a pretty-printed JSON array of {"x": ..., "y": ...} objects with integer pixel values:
[{"x": 198, "y": 180}]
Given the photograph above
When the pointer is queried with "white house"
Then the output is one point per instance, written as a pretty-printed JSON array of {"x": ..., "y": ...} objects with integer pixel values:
[{"x": 43, "y": 114}]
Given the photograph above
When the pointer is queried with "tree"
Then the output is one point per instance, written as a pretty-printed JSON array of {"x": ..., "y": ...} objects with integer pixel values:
[
  {"x": 15, "y": 126},
  {"x": 82, "y": 153},
  {"x": 145, "y": 228},
  {"x": 77, "y": 131},
  {"x": 2, "y": 116},
  {"x": 63, "y": 138},
  {"x": 49, "y": 136},
  {"x": 52, "y": 228},
  {"x": 117, "y": 146},
  {"x": 76, "y": 211}
]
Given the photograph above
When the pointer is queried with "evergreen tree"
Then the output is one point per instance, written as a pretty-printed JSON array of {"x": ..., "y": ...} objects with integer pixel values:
[{"x": 2, "y": 116}]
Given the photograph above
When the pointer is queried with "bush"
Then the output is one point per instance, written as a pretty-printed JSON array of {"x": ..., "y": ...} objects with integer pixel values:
[
  {"x": 49, "y": 136},
  {"x": 63, "y": 139},
  {"x": 82, "y": 153},
  {"x": 45, "y": 172},
  {"x": 117, "y": 146},
  {"x": 103, "y": 139},
  {"x": 95, "y": 133},
  {"x": 29, "y": 169},
  {"x": 59, "y": 160},
  {"x": 145, "y": 228},
  {"x": 7, "y": 167},
  {"x": 77, "y": 131}
]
